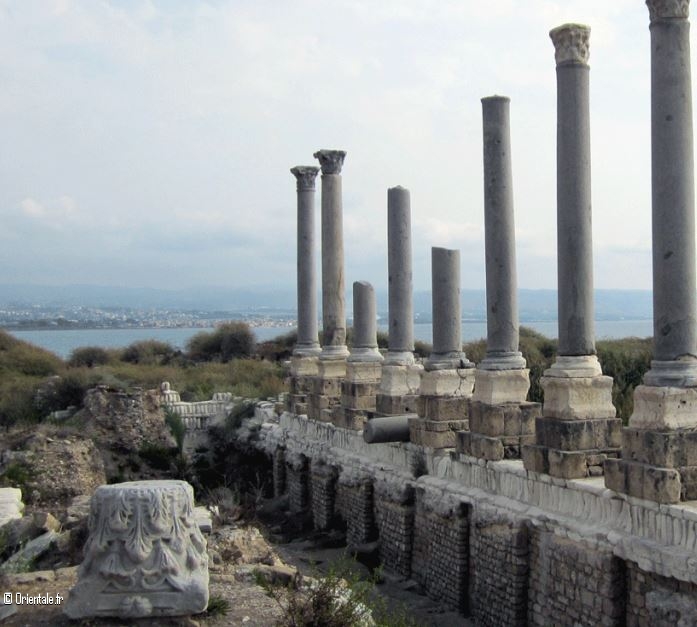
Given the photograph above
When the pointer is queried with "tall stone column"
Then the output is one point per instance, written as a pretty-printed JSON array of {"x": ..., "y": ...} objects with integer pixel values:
[
  {"x": 659, "y": 447},
  {"x": 307, "y": 343},
  {"x": 332, "y": 360},
  {"x": 501, "y": 379},
  {"x": 446, "y": 384},
  {"x": 364, "y": 364},
  {"x": 401, "y": 375},
  {"x": 304, "y": 361},
  {"x": 333, "y": 286},
  {"x": 578, "y": 430}
]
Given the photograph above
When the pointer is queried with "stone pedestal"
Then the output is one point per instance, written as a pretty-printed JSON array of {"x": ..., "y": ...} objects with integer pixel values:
[
  {"x": 145, "y": 555},
  {"x": 501, "y": 386},
  {"x": 578, "y": 429},
  {"x": 303, "y": 370},
  {"x": 399, "y": 389},
  {"x": 659, "y": 447},
  {"x": 442, "y": 407},
  {"x": 326, "y": 389},
  {"x": 358, "y": 392}
]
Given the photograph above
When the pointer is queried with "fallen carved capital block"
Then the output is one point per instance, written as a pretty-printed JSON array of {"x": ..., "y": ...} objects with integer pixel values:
[{"x": 145, "y": 555}]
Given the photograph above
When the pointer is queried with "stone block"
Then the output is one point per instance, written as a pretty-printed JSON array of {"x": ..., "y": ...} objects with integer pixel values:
[
  {"x": 450, "y": 382},
  {"x": 327, "y": 387},
  {"x": 535, "y": 458},
  {"x": 481, "y": 446},
  {"x": 398, "y": 380},
  {"x": 579, "y": 435},
  {"x": 364, "y": 372},
  {"x": 663, "y": 408},
  {"x": 145, "y": 556},
  {"x": 578, "y": 398},
  {"x": 304, "y": 366},
  {"x": 365, "y": 403},
  {"x": 660, "y": 448},
  {"x": 391, "y": 405},
  {"x": 501, "y": 386},
  {"x": 643, "y": 481},
  {"x": 332, "y": 368},
  {"x": 351, "y": 388},
  {"x": 567, "y": 464},
  {"x": 353, "y": 419},
  {"x": 435, "y": 434},
  {"x": 442, "y": 408}
]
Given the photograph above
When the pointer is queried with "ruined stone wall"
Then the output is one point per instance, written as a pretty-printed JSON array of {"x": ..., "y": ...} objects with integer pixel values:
[
  {"x": 440, "y": 554},
  {"x": 394, "y": 515},
  {"x": 355, "y": 504},
  {"x": 278, "y": 461},
  {"x": 655, "y": 601},
  {"x": 322, "y": 491},
  {"x": 499, "y": 568},
  {"x": 574, "y": 583},
  {"x": 297, "y": 482}
]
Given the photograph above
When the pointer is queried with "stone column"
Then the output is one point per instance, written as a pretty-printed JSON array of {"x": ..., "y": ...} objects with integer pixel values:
[
  {"x": 501, "y": 378},
  {"x": 364, "y": 364},
  {"x": 401, "y": 376},
  {"x": 446, "y": 384},
  {"x": 326, "y": 394},
  {"x": 307, "y": 343},
  {"x": 304, "y": 362},
  {"x": 659, "y": 447},
  {"x": 578, "y": 429},
  {"x": 333, "y": 286}
]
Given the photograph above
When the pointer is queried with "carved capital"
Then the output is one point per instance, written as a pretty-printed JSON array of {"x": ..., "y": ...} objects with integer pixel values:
[
  {"x": 331, "y": 161},
  {"x": 668, "y": 9},
  {"x": 571, "y": 43},
  {"x": 305, "y": 175}
]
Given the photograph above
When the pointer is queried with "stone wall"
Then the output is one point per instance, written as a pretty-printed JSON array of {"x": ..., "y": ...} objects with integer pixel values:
[
  {"x": 499, "y": 567},
  {"x": 510, "y": 546},
  {"x": 440, "y": 555},
  {"x": 573, "y": 582}
]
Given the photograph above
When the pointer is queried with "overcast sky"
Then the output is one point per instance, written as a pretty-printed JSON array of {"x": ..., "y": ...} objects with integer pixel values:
[{"x": 148, "y": 143}]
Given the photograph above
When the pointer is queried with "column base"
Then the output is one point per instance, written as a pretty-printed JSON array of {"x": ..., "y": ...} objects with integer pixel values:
[
  {"x": 680, "y": 373},
  {"x": 501, "y": 386},
  {"x": 358, "y": 392},
  {"x": 664, "y": 408},
  {"x": 304, "y": 366},
  {"x": 498, "y": 431},
  {"x": 326, "y": 390}
]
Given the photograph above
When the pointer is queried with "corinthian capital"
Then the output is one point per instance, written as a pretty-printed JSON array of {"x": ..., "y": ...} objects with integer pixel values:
[
  {"x": 331, "y": 161},
  {"x": 668, "y": 9},
  {"x": 571, "y": 43},
  {"x": 305, "y": 175}
]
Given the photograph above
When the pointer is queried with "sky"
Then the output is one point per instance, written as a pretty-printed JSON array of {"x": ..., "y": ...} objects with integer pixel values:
[{"x": 148, "y": 143}]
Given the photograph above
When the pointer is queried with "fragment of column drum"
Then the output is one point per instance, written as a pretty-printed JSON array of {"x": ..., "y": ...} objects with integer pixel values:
[{"x": 145, "y": 555}]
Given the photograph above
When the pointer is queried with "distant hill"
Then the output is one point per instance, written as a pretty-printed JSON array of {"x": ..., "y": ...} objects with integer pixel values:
[{"x": 533, "y": 304}]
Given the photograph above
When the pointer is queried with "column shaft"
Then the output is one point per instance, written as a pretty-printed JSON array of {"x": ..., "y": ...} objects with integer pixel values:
[
  {"x": 307, "y": 343},
  {"x": 499, "y": 227},
  {"x": 365, "y": 342},
  {"x": 673, "y": 218},
  {"x": 574, "y": 224},
  {"x": 401, "y": 308}
]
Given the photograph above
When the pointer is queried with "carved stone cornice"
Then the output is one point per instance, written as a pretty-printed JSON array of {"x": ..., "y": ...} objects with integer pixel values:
[
  {"x": 305, "y": 175},
  {"x": 668, "y": 9},
  {"x": 331, "y": 161},
  {"x": 571, "y": 43}
]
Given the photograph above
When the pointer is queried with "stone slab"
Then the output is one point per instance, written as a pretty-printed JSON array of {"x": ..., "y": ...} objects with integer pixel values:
[
  {"x": 364, "y": 372},
  {"x": 332, "y": 368},
  {"x": 564, "y": 464},
  {"x": 501, "y": 386},
  {"x": 578, "y": 398},
  {"x": 503, "y": 419},
  {"x": 435, "y": 434},
  {"x": 661, "y": 485},
  {"x": 669, "y": 449},
  {"x": 478, "y": 445},
  {"x": 304, "y": 366},
  {"x": 400, "y": 380}
]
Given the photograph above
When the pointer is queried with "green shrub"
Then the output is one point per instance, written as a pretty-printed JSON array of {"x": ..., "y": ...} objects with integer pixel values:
[
  {"x": 158, "y": 456},
  {"x": 89, "y": 356},
  {"x": 149, "y": 352},
  {"x": 19, "y": 357},
  {"x": 279, "y": 348},
  {"x": 217, "y": 606},
  {"x": 17, "y": 400},
  {"x": 229, "y": 340}
]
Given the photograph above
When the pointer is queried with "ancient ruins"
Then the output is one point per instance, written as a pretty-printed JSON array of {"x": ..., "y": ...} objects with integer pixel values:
[{"x": 510, "y": 511}]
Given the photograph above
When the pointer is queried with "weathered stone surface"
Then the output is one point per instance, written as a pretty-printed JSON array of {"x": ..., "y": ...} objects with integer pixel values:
[
  {"x": 501, "y": 386},
  {"x": 145, "y": 555},
  {"x": 389, "y": 405},
  {"x": 29, "y": 553},
  {"x": 435, "y": 434},
  {"x": 447, "y": 382},
  {"x": 481, "y": 446},
  {"x": 443, "y": 407},
  {"x": 643, "y": 481},
  {"x": 11, "y": 505},
  {"x": 578, "y": 398},
  {"x": 661, "y": 408},
  {"x": 363, "y": 372},
  {"x": 504, "y": 419},
  {"x": 399, "y": 388},
  {"x": 365, "y": 342},
  {"x": 304, "y": 366},
  {"x": 579, "y": 435}
]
